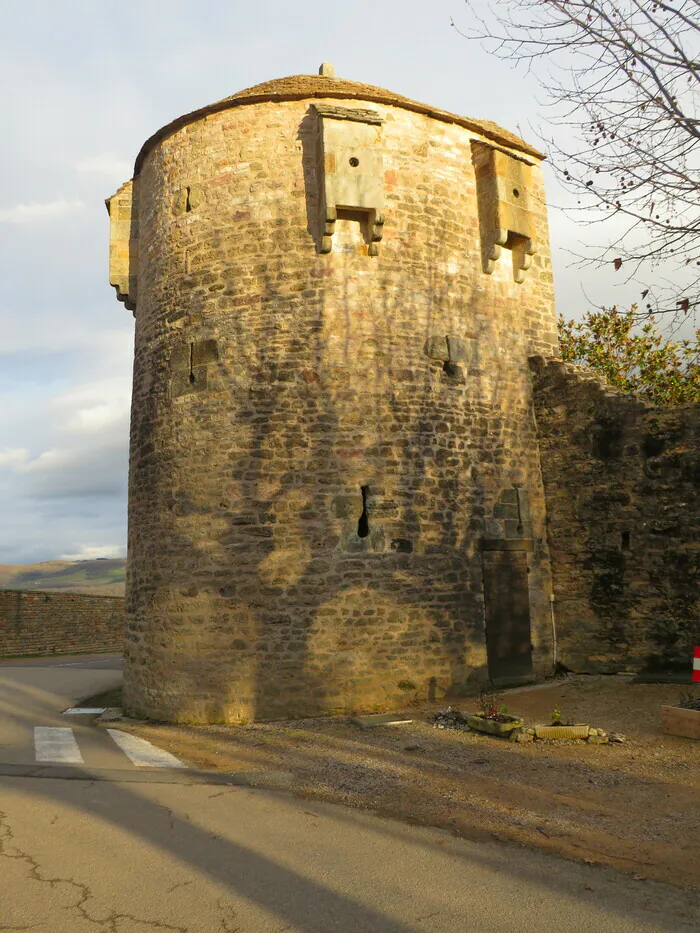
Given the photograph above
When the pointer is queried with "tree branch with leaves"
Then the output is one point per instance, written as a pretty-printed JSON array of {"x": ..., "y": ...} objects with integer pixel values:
[{"x": 635, "y": 359}]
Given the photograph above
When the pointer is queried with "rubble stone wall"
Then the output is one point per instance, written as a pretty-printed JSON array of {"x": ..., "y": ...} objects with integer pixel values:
[
  {"x": 34, "y": 623},
  {"x": 622, "y": 482}
]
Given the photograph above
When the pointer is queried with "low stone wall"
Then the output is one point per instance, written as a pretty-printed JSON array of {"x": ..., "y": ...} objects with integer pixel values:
[
  {"x": 621, "y": 483},
  {"x": 34, "y": 623}
]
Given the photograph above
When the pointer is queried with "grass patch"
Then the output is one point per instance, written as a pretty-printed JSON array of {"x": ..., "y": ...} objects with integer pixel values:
[{"x": 107, "y": 698}]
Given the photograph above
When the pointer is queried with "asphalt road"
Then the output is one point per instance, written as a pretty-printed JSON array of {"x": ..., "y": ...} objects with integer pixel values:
[{"x": 118, "y": 856}]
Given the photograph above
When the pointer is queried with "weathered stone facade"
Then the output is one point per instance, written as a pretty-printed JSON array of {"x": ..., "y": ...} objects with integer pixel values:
[
  {"x": 34, "y": 623},
  {"x": 622, "y": 483},
  {"x": 332, "y": 418}
]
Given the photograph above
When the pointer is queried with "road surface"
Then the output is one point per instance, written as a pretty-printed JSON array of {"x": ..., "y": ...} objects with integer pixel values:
[{"x": 113, "y": 846}]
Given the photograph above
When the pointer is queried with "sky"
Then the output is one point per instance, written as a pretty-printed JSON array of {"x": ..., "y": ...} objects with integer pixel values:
[{"x": 85, "y": 83}]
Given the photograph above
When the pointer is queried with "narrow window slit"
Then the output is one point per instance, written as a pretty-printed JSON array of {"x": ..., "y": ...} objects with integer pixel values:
[
  {"x": 188, "y": 207},
  {"x": 191, "y": 362},
  {"x": 625, "y": 540},
  {"x": 519, "y": 527},
  {"x": 363, "y": 523}
]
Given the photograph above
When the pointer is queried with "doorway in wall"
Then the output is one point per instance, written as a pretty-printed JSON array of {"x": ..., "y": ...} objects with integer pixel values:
[{"x": 507, "y": 604}]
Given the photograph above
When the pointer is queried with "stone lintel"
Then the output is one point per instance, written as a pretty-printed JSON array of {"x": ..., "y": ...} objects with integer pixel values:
[
  {"x": 507, "y": 544},
  {"x": 356, "y": 114}
]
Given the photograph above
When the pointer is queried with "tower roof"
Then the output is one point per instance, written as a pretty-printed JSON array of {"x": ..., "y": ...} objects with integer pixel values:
[{"x": 303, "y": 87}]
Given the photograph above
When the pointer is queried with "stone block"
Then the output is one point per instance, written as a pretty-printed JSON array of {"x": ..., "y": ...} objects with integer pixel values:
[
  {"x": 180, "y": 201},
  {"x": 436, "y": 348},
  {"x": 180, "y": 358},
  {"x": 195, "y": 198},
  {"x": 458, "y": 349},
  {"x": 184, "y": 382},
  {"x": 380, "y": 719},
  {"x": 204, "y": 351},
  {"x": 501, "y": 510},
  {"x": 518, "y": 529}
]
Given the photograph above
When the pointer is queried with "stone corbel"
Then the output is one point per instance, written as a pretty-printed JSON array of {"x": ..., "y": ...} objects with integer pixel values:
[{"x": 375, "y": 222}]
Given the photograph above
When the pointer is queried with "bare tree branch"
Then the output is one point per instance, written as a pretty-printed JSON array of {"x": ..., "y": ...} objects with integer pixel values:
[{"x": 623, "y": 82}]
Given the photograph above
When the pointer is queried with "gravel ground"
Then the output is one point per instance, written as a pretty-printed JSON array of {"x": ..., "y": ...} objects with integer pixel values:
[{"x": 633, "y": 806}]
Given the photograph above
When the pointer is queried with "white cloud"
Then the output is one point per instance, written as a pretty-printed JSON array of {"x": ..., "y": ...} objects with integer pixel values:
[
  {"x": 99, "y": 417},
  {"x": 93, "y": 552},
  {"x": 27, "y": 213},
  {"x": 96, "y": 471},
  {"x": 38, "y": 332},
  {"x": 13, "y": 456},
  {"x": 51, "y": 460},
  {"x": 93, "y": 408},
  {"x": 106, "y": 164}
]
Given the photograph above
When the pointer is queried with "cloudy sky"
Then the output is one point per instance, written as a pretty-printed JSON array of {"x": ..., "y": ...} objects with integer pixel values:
[{"x": 85, "y": 82}]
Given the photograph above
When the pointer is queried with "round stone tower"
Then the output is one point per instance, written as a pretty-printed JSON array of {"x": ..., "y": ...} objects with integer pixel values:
[{"x": 335, "y": 500}]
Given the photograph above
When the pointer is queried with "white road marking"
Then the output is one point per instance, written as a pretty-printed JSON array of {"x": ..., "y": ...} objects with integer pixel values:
[
  {"x": 83, "y": 710},
  {"x": 142, "y": 753},
  {"x": 53, "y": 743}
]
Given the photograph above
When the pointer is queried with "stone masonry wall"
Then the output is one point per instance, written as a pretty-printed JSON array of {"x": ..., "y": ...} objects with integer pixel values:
[
  {"x": 283, "y": 396},
  {"x": 622, "y": 485},
  {"x": 34, "y": 623}
]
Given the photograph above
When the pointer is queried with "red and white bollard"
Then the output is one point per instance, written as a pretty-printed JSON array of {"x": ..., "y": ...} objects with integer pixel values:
[{"x": 696, "y": 665}]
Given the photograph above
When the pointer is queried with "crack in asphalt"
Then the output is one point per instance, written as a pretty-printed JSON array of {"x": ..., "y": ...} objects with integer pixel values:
[
  {"x": 113, "y": 919},
  {"x": 225, "y": 927},
  {"x": 7, "y": 843},
  {"x": 170, "y": 815},
  {"x": 180, "y": 884}
]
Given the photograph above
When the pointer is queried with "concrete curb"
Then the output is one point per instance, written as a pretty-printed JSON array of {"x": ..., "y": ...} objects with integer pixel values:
[{"x": 187, "y": 776}]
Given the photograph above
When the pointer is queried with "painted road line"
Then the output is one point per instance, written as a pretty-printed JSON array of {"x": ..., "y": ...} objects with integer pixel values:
[
  {"x": 53, "y": 743},
  {"x": 83, "y": 710},
  {"x": 142, "y": 753}
]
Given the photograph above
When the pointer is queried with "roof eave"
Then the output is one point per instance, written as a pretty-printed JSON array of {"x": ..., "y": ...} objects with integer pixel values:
[{"x": 503, "y": 139}]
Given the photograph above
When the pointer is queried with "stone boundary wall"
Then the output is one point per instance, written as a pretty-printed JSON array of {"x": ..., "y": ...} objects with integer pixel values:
[
  {"x": 621, "y": 481},
  {"x": 45, "y": 623}
]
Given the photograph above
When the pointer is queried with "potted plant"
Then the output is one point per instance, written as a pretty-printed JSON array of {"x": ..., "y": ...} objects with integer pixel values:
[
  {"x": 683, "y": 719},
  {"x": 560, "y": 729},
  {"x": 491, "y": 718}
]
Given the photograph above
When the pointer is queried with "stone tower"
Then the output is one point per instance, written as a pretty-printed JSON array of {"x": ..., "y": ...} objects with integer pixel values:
[{"x": 335, "y": 497}]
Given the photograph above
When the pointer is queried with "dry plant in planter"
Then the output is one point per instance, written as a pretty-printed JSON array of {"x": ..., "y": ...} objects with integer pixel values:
[{"x": 492, "y": 718}]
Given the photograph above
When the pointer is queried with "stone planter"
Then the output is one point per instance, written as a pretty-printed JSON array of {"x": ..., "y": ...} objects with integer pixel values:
[
  {"x": 675, "y": 720},
  {"x": 492, "y": 726},
  {"x": 562, "y": 732}
]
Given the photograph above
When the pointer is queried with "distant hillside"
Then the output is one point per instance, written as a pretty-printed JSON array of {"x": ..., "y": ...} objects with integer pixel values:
[{"x": 102, "y": 577}]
